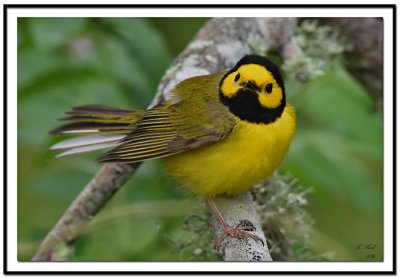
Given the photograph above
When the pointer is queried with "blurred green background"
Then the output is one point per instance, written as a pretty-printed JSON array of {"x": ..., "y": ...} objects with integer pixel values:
[{"x": 66, "y": 62}]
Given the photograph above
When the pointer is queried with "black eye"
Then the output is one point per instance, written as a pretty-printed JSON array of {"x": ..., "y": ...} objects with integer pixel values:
[
  {"x": 268, "y": 88},
  {"x": 237, "y": 77}
]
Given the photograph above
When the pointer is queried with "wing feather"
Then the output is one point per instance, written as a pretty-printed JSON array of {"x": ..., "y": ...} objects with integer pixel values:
[{"x": 161, "y": 132}]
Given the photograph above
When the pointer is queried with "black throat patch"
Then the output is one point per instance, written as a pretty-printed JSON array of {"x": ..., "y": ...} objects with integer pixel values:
[{"x": 246, "y": 106}]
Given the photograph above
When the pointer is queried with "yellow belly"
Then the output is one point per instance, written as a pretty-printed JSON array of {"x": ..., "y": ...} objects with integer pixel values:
[{"x": 248, "y": 154}]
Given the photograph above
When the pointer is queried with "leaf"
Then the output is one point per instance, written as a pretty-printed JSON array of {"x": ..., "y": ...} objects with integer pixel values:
[
  {"x": 326, "y": 161},
  {"x": 48, "y": 33}
]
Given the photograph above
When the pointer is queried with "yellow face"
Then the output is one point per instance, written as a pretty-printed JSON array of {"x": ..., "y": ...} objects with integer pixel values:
[{"x": 257, "y": 79}]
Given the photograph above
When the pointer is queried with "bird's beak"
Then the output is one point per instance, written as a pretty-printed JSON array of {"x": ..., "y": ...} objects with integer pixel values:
[{"x": 251, "y": 85}]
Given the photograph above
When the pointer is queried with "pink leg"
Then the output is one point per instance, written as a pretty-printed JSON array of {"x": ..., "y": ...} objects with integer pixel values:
[{"x": 238, "y": 232}]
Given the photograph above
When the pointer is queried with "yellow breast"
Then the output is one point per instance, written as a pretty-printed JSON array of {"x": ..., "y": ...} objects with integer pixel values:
[{"x": 248, "y": 154}]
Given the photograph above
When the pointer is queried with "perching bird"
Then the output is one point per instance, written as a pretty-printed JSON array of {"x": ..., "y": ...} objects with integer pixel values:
[{"x": 218, "y": 134}]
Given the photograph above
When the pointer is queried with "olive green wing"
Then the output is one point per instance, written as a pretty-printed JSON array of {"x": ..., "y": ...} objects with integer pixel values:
[{"x": 165, "y": 130}]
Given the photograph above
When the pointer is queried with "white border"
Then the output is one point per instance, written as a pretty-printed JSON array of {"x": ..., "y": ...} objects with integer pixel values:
[{"x": 13, "y": 265}]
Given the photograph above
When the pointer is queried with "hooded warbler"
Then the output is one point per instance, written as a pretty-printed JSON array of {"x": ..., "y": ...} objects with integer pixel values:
[{"x": 218, "y": 134}]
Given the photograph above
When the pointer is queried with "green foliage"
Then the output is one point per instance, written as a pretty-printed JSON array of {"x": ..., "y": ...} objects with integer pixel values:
[
  {"x": 65, "y": 62},
  {"x": 338, "y": 151}
]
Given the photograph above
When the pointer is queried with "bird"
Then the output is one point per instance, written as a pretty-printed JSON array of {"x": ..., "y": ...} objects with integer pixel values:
[{"x": 218, "y": 134}]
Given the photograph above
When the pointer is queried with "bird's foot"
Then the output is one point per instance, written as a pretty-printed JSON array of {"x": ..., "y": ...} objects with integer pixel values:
[{"x": 238, "y": 232}]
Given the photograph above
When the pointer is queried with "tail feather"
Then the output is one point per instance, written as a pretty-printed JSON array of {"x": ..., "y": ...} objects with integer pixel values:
[
  {"x": 104, "y": 126},
  {"x": 99, "y": 110},
  {"x": 98, "y": 119},
  {"x": 92, "y": 127},
  {"x": 86, "y": 149},
  {"x": 86, "y": 141}
]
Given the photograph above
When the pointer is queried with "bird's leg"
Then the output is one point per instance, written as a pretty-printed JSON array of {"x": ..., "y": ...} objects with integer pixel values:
[
  {"x": 238, "y": 232},
  {"x": 253, "y": 194}
]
